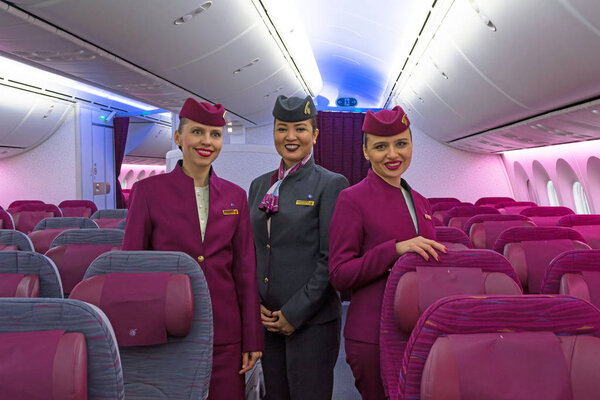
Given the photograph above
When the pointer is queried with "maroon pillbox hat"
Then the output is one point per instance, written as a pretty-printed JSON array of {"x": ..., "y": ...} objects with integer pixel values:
[
  {"x": 386, "y": 122},
  {"x": 203, "y": 113}
]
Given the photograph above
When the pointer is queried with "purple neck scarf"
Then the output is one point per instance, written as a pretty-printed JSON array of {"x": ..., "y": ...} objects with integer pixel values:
[{"x": 270, "y": 203}]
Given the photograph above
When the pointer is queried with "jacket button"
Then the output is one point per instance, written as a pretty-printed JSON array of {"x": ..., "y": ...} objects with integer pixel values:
[
  {"x": 200, "y": 258},
  {"x": 268, "y": 246},
  {"x": 266, "y": 281}
]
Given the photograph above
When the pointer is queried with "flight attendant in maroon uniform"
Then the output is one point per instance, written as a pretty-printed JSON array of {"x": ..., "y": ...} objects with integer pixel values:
[
  {"x": 374, "y": 222},
  {"x": 192, "y": 210}
]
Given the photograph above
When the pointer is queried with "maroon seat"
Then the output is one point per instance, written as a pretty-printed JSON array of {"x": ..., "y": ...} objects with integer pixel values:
[
  {"x": 587, "y": 225},
  {"x": 6, "y": 221},
  {"x": 435, "y": 200},
  {"x": 78, "y": 208},
  {"x": 49, "y": 228},
  {"x": 27, "y": 216},
  {"x": 514, "y": 207},
  {"x": 19, "y": 285},
  {"x": 530, "y": 250},
  {"x": 458, "y": 216},
  {"x": 546, "y": 216},
  {"x": 414, "y": 283},
  {"x": 484, "y": 229},
  {"x": 452, "y": 238},
  {"x": 492, "y": 201},
  {"x": 574, "y": 273},
  {"x": 504, "y": 347},
  {"x": 441, "y": 209},
  {"x": 18, "y": 203}
]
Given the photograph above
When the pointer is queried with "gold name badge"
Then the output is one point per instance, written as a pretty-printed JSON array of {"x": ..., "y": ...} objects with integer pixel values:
[
  {"x": 305, "y": 203},
  {"x": 231, "y": 212}
]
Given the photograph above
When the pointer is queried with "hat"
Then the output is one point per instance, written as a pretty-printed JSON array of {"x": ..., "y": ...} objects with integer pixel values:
[
  {"x": 202, "y": 112},
  {"x": 294, "y": 109},
  {"x": 386, "y": 122}
]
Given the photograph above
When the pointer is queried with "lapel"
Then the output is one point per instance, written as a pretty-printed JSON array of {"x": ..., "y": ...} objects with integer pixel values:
[{"x": 186, "y": 184}]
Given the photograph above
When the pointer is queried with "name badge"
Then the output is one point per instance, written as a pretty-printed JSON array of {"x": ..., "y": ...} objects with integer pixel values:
[
  {"x": 309, "y": 203},
  {"x": 231, "y": 212}
]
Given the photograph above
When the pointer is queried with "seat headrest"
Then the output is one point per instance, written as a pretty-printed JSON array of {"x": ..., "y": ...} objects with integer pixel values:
[
  {"x": 579, "y": 219},
  {"x": 492, "y": 217},
  {"x": 452, "y": 235},
  {"x": 553, "y": 211},
  {"x": 434, "y": 200},
  {"x": 468, "y": 211},
  {"x": 574, "y": 261},
  {"x": 504, "y": 204},
  {"x": 443, "y": 206},
  {"x": 65, "y": 222},
  {"x": 143, "y": 308},
  {"x": 531, "y": 233},
  {"x": 492, "y": 200},
  {"x": 19, "y": 285},
  {"x": 43, "y": 364}
]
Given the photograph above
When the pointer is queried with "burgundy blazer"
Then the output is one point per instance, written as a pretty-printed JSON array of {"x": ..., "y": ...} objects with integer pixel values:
[
  {"x": 369, "y": 218},
  {"x": 163, "y": 215}
]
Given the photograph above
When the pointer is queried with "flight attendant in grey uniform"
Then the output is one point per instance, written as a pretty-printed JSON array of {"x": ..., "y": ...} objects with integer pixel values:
[{"x": 290, "y": 210}]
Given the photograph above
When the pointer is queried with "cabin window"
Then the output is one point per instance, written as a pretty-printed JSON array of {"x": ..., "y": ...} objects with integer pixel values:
[
  {"x": 552, "y": 194},
  {"x": 531, "y": 191},
  {"x": 581, "y": 203},
  {"x": 124, "y": 184}
]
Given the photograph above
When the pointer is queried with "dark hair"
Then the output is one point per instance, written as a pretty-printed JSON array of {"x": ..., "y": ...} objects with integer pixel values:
[
  {"x": 364, "y": 139},
  {"x": 313, "y": 121},
  {"x": 182, "y": 122}
]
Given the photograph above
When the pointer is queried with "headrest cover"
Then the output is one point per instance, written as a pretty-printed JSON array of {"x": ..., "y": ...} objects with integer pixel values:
[
  {"x": 386, "y": 122},
  {"x": 294, "y": 109},
  {"x": 452, "y": 235},
  {"x": 531, "y": 233},
  {"x": 203, "y": 113},
  {"x": 550, "y": 211},
  {"x": 579, "y": 219},
  {"x": 447, "y": 205},
  {"x": 569, "y": 262},
  {"x": 504, "y": 204},
  {"x": 492, "y": 200}
]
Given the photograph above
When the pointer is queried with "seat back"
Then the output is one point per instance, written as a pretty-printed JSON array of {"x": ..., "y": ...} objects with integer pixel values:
[
  {"x": 179, "y": 369},
  {"x": 6, "y": 221},
  {"x": 27, "y": 216},
  {"x": 435, "y": 200},
  {"x": 513, "y": 207},
  {"x": 440, "y": 210},
  {"x": 458, "y": 216},
  {"x": 14, "y": 240},
  {"x": 573, "y": 263},
  {"x": 110, "y": 218},
  {"x": 587, "y": 225},
  {"x": 484, "y": 229},
  {"x": 492, "y": 201},
  {"x": 49, "y": 228},
  {"x": 526, "y": 316},
  {"x": 452, "y": 238},
  {"x": 31, "y": 263},
  {"x": 73, "y": 251},
  {"x": 104, "y": 374},
  {"x": 530, "y": 250},
  {"x": 546, "y": 216},
  {"x": 18, "y": 203},
  {"x": 414, "y": 283},
  {"x": 78, "y": 208}
]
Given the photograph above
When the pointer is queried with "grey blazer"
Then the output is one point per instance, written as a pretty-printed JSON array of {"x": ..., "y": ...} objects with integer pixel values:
[{"x": 292, "y": 265}]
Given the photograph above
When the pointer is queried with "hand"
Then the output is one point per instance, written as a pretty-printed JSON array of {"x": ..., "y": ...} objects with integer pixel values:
[
  {"x": 421, "y": 246},
  {"x": 280, "y": 325},
  {"x": 248, "y": 361},
  {"x": 266, "y": 315}
]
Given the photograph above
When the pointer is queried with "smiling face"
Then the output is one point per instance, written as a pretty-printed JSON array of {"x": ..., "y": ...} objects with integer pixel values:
[
  {"x": 390, "y": 156},
  {"x": 294, "y": 140},
  {"x": 199, "y": 143}
]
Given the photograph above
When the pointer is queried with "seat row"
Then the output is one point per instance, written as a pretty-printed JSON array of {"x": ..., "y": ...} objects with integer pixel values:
[
  {"x": 138, "y": 326},
  {"x": 461, "y": 329}
]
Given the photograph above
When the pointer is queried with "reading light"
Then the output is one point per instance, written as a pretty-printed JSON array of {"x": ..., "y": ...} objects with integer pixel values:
[{"x": 281, "y": 20}]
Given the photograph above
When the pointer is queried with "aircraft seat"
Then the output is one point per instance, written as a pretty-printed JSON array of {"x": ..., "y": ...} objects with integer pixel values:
[
  {"x": 546, "y": 216},
  {"x": 513, "y": 207},
  {"x": 49, "y": 228},
  {"x": 78, "y": 208},
  {"x": 503, "y": 348},
  {"x": 484, "y": 229},
  {"x": 14, "y": 240},
  {"x": 37, "y": 265},
  {"x": 27, "y": 216},
  {"x": 587, "y": 225},
  {"x": 452, "y": 238},
  {"x": 180, "y": 368},
  {"x": 82, "y": 364},
  {"x": 492, "y": 201},
  {"x": 18, "y": 203},
  {"x": 74, "y": 250},
  {"x": 6, "y": 220},
  {"x": 441, "y": 209},
  {"x": 435, "y": 200},
  {"x": 109, "y": 218},
  {"x": 568, "y": 273},
  {"x": 530, "y": 250},
  {"x": 415, "y": 283},
  {"x": 458, "y": 216}
]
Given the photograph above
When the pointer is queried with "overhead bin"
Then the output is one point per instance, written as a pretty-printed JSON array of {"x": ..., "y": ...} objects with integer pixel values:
[{"x": 148, "y": 139}]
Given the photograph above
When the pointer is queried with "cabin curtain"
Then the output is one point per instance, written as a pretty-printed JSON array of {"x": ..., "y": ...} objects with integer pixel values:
[
  {"x": 120, "y": 128},
  {"x": 339, "y": 144}
]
